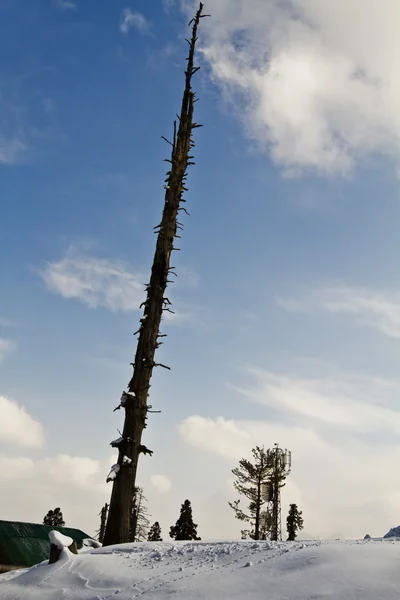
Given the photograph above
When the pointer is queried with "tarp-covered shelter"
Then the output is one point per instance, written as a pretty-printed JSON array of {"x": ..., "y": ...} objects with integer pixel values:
[{"x": 26, "y": 544}]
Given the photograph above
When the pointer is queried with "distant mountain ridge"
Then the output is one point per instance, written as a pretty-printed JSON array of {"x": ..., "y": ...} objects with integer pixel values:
[{"x": 394, "y": 532}]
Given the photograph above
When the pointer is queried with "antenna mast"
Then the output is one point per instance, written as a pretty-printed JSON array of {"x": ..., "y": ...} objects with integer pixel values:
[{"x": 280, "y": 464}]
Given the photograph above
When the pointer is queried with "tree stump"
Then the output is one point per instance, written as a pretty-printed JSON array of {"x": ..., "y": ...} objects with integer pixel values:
[
  {"x": 55, "y": 553},
  {"x": 73, "y": 548}
]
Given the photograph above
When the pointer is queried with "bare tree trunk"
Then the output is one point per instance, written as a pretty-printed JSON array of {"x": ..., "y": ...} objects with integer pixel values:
[{"x": 135, "y": 402}]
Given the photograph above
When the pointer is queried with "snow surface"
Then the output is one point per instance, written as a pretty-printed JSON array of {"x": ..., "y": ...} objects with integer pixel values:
[{"x": 216, "y": 571}]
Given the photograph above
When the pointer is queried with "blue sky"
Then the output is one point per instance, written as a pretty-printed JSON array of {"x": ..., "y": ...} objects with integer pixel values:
[{"x": 288, "y": 307}]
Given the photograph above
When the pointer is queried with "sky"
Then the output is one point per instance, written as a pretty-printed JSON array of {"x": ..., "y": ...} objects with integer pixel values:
[{"x": 287, "y": 300}]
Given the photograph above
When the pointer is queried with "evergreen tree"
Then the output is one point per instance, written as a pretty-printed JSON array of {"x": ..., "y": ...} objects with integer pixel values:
[
  {"x": 54, "y": 518},
  {"x": 184, "y": 528},
  {"x": 155, "y": 533},
  {"x": 139, "y": 524},
  {"x": 265, "y": 524},
  {"x": 294, "y": 522},
  {"x": 251, "y": 477}
]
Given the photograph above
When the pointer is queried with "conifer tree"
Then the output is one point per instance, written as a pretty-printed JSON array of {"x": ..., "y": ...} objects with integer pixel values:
[
  {"x": 54, "y": 518},
  {"x": 250, "y": 478},
  {"x": 294, "y": 522},
  {"x": 139, "y": 517},
  {"x": 184, "y": 528},
  {"x": 155, "y": 533}
]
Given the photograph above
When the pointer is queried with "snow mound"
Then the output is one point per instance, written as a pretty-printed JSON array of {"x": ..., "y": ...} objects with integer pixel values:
[
  {"x": 89, "y": 543},
  {"x": 215, "y": 571},
  {"x": 60, "y": 540}
]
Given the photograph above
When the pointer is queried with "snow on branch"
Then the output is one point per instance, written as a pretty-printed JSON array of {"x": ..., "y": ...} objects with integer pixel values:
[
  {"x": 117, "y": 442},
  {"x": 124, "y": 398},
  {"x": 113, "y": 473}
]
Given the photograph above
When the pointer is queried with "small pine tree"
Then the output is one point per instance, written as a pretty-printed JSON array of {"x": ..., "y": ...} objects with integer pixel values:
[
  {"x": 139, "y": 524},
  {"x": 294, "y": 522},
  {"x": 184, "y": 528},
  {"x": 54, "y": 518},
  {"x": 155, "y": 533},
  {"x": 251, "y": 477}
]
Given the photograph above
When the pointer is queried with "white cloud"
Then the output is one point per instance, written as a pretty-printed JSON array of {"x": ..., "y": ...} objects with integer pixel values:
[
  {"x": 187, "y": 276},
  {"x": 95, "y": 282},
  {"x": 306, "y": 78},
  {"x": 17, "y": 426},
  {"x": 219, "y": 435},
  {"x": 345, "y": 487},
  {"x": 355, "y": 404},
  {"x": 168, "y": 5},
  {"x": 380, "y": 310},
  {"x": 133, "y": 20},
  {"x": 75, "y": 483},
  {"x": 66, "y": 4},
  {"x": 343, "y": 433},
  {"x": 11, "y": 149},
  {"x": 112, "y": 284},
  {"x": 161, "y": 483},
  {"x": 6, "y": 346}
]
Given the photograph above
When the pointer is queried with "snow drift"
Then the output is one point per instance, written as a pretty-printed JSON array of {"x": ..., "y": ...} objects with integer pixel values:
[{"x": 216, "y": 571}]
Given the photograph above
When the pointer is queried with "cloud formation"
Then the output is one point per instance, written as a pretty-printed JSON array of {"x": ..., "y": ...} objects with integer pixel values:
[
  {"x": 379, "y": 310},
  {"x": 66, "y": 4},
  {"x": 133, "y": 20},
  {"x": 357, "y": 404},
  {"x": 112, "y": 284},
  {"x": 17, "y": 427},
  {"x": 95, "y": 282},
  {"x": 161, "y": 483},
  {"x": 306, "y": 79},
  {"x": 340, "y": 478},
  {"x": 75, "y": 483},
  {"x": 6, "y": 347},
  {"x": 11, "y": 149}
]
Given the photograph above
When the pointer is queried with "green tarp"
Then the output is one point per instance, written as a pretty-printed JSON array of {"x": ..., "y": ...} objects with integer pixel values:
[{"x": 26, "y": 544}]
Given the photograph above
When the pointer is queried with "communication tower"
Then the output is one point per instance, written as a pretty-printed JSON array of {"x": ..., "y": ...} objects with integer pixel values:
[{"x": 279, "y": 462}]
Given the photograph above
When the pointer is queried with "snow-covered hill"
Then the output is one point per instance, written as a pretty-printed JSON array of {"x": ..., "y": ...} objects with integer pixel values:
[{"x": 216, "y": 570}]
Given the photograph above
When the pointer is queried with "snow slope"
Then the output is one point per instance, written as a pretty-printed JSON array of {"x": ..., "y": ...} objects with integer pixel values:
[{"x": 216, "y": 570}]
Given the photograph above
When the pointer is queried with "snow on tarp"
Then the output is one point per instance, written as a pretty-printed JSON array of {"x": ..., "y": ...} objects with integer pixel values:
[
  {"x": 217, "y": 571},
  {"x": 60, "y": 540}
]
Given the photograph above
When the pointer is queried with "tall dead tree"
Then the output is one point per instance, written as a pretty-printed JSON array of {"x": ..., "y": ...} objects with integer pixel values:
[
  {"x": 103, "y": 520},
  {"x": 134, "y": 402}
]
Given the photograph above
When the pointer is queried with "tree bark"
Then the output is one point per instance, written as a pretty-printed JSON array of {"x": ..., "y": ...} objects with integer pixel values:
[
  {"x": 135, "y": 405},
  {"x": 55, "y": 553}
]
